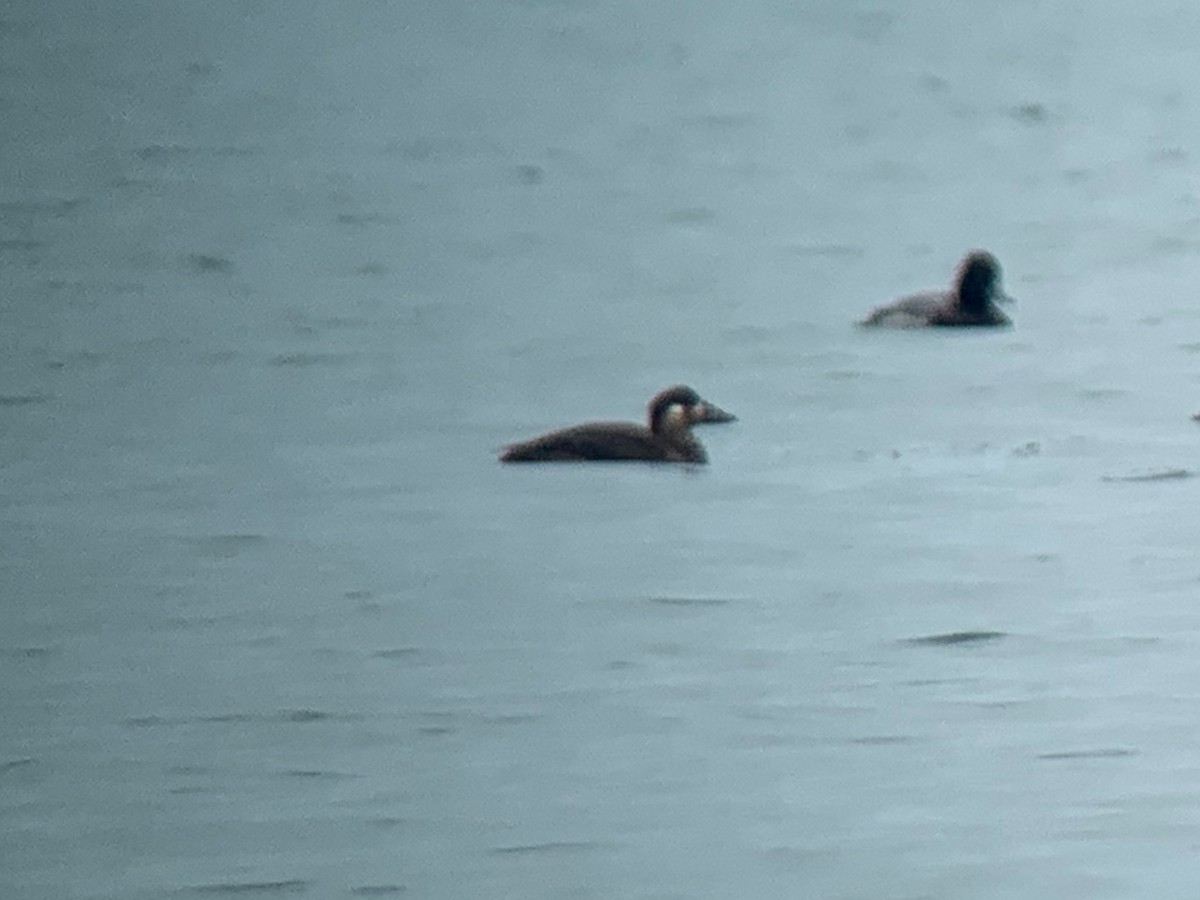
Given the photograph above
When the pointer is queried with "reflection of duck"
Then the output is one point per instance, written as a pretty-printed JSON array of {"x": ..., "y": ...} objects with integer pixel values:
[
  {"x": 971, "y": 301},
  {"x": 671, "y": 414}
]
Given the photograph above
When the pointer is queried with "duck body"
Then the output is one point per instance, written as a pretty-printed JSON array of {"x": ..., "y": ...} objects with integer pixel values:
[
  {"x": 600, "y": 441},
  {"x": 971, "y": 301},
  {"x": 666, "y": 438}
]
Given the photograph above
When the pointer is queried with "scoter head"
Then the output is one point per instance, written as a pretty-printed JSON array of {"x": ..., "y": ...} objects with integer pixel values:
[
  {"x": 679, "y": 407},
  {"x": 978, "y": 282},
  {"x": 671, "y": 409}
]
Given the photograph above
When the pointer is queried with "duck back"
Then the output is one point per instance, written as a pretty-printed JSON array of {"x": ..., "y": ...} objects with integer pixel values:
[{"x": 598, "y": 441}]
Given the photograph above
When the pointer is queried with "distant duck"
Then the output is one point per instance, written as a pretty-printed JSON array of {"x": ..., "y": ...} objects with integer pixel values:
[
  {"x": 667, "y": 437},
  {"x": 970, "y": 302}
]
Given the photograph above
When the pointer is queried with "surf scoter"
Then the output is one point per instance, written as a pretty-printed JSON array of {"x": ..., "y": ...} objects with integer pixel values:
[{"x": 667, "y": 437}]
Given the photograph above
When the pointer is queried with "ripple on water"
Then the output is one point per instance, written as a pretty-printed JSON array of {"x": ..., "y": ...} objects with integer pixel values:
[
  {"x": 955, "y": 638},
  {"x": 312, "y": 715},
  {"x": 389, "y": 822},
  {"x": 317, "y": 775},
  {"x": 547, "y": 847},
  {"x": 398, "y": 653},
  {"x": 25, "y": 652},
  {"x": 691, "y": 602},
  {"x": 226, "y": 546},
  {"x": 10, "y": 764},
  {"x": 296, "y": 716},
  {"x": 880, "y": 740},
  {"x": 530, "y": 174},
  {"x": 1155, "y": 475},
  {"x": 959, "y": 451},
  {"x": 1030, "y": 113},
  {"x": 20, "y": 245},
  {"x": 511, "y": 718},
  {"x": 166, "y": 154},
  {"x": 38, "y": 208},
  {"x": 305, "y": 359},
  {"x": 162, "y": 152},
  {"x": 291, "y": 886},
  {"x": 210, "y": 263},
  {"x": 438, "y": 723},
  {"x": 364, "y": 219},
  {"x": 1096, "y": 753}
]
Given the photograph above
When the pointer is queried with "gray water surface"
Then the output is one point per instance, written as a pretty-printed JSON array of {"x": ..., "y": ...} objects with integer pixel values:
[{"x": 278, "y": 280}]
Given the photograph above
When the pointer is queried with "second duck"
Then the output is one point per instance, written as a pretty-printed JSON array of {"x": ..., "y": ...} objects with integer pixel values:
[{"x": 971, "y": 300}]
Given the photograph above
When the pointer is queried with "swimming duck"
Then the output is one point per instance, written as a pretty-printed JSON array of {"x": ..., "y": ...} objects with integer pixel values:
[
  {"x": 667, "y": 437},
  {"x": 970, "y": 301}
]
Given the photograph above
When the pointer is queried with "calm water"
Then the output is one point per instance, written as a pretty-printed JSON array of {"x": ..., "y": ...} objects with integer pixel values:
[{"x": 277, "y": 280}]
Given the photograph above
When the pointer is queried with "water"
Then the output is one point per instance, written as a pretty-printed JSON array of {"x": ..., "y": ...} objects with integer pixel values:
[{"x": 278, "y": 280}]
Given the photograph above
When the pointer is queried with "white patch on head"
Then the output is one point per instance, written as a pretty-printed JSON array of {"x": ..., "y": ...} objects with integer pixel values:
[{"x": 677, "y": 416}]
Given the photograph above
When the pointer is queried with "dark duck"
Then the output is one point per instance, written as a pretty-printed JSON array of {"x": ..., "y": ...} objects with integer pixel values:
[
  {"x": 971, "y": 300},
  {"x": 667, "y": 436}
]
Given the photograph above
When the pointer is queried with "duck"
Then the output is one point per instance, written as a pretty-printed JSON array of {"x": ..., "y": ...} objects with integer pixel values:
[
  {"x": 666, "y": 436},
  {"x": 970, "y": 301}
]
